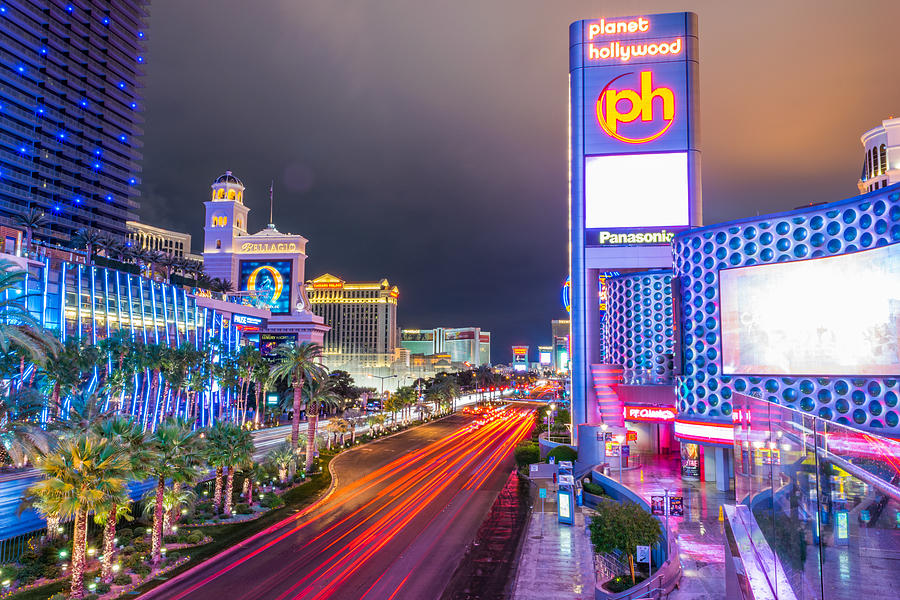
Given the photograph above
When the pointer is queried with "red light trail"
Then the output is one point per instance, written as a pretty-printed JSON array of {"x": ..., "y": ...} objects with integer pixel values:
[{"x": 379, "y": 506}]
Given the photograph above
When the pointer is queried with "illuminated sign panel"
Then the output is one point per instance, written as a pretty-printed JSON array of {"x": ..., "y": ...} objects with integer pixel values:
[
  {"x": 650, "y": 413},
  {"x": 270, "y": 280},
  {"x": 268, "y": 248},
  {"x": 546, "y": 357},
  {"x": 634, "y": 150},
  {"x": 268, "y": 342},
  {"x": 788, "y": 318}
]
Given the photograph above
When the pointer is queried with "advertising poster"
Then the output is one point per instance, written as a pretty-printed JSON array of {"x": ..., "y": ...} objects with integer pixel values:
[
  {"x": 676, "y": 506},
  {"x": 658, "y": 505},
  {"x": 690, "y": 460},
  {"x": 269, "y": 341},
  {"x": 271, "y": 281}
]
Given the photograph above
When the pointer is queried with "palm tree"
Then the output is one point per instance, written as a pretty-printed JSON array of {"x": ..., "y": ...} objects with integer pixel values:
[
  {"x": 107, "y": 244},
  {"x": 173, "y": 454},
  {"x": 376, "y": 421},
  {"x": 107, "y": 515},
  {"x": 335, "y": 428},
  {"x": 316, "y": 394},
  {"x": 87, "y": 239},
  {"x": 21, "y": 435},
  {"x": 174, "y": 500},
  {"x": 20, "y": 331},
  {"x": 30, "y": 220},
  {"x": 239, "y": 451},
  {"x": 80, "y": 476},
  {"x": 298, "y": 363},
  {"x": 254, "y": 473},
  {"x": 283, "y": 459},
  {"x": 217, "y": 442},
  {"x": 354, "y": 416},
  {"x": 128, "y": 435}
]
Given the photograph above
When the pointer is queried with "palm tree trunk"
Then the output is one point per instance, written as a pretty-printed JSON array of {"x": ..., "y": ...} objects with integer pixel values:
[
  {"x": 52, "y": 526},
  {"x": 172, "y": 515},
  {"x": 79, "y": 544},
  {"x": 156, "y": 543},
  {"x": 109, "y": 546},
  {"x": 282, "y": 474},
  {"x": 295, "y": 422},
  {"x": 217, "y": 496},
  {"x": 229, "y": 490},
  {"x": 312, "y": 418},
  {"x": 250, "y": 491}
]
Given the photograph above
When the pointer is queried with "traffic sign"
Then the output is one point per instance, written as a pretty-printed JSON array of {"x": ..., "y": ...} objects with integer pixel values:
[
  {"x": 552, "y": 460},
  {"x": 642, "y": 555},
  {"x": 542, "y": 493},
  {"x": 865, "y": 516},
  {"x": 533, "y": 468}
]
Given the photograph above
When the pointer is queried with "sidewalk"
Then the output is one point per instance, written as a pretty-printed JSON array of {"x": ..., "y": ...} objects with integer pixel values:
[
  {"x": 556, "y": 561},
  {"x": 700, "y": 534}
]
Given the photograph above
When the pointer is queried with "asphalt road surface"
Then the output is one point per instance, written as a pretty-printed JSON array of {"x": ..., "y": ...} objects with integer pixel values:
[{"x": 394, "y": 526}]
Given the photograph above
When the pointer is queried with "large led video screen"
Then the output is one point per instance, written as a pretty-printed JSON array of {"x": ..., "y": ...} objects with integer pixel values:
[
  {"x": 636, "y": 190},
  {"x": 838, "y": 315},
  {"x": 271, "y": 281}
]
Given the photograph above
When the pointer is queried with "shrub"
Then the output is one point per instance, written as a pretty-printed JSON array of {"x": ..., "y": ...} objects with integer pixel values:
[
  {"x": 621, "y": 528},
  {"x": 59, "y": 596},
  {"x": 527, "y": 453},
  {"x": 9, "y": 571},
  {"x": 51, "y": 571},
  {"x": 124, "y": 535},
  {"x": 593, "y": 488},
  {"x": 243, "y": 509},
  {"x": 102, "y": 588},
  {"x": 134, "y": 561},
  {"x": 272, "y": 501},
  {"x": 141, "y": 545},
  {"x": 204, "y": 507},
  {"x": 91, "y": 597},
  {"x": 563, "y": 453},
  {"x": 122, "y": 579},
  {"x": 141, "y": 569},
  {"x": 195, "y": 537}
]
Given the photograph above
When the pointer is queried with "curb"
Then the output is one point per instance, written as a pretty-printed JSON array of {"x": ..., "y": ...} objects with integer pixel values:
[{"x": 151, "y": 593}]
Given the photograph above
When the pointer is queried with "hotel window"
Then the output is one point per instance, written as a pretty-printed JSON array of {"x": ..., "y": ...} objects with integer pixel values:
[
  {"x": 883, "y": 152},
  {"x": 869, "y": 158}
]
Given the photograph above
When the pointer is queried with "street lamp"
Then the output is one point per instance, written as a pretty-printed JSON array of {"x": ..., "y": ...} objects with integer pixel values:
[{"x": 382, "y": 378}]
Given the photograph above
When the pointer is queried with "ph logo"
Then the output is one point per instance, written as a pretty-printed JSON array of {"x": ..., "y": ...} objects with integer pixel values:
[{"x": 612, "y": 109}]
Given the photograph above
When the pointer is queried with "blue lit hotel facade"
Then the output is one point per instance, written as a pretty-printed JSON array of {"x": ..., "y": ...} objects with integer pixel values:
[{"x": 70, "y": 121}]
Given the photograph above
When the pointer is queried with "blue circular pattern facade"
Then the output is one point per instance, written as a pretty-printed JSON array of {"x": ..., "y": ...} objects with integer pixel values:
[{"x": 852, "y": 225}]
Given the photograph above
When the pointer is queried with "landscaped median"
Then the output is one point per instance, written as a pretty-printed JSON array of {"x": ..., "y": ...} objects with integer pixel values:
[{"x": 621, "y": 522}]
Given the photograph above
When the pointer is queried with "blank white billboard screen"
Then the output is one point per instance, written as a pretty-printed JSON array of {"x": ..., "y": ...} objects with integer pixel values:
[
  {"x": 826, "y": 316},
  {"x": 636, "y": 190}
]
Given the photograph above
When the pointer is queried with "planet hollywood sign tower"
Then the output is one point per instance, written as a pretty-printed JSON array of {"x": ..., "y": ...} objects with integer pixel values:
[{"x": 634, "y": 167}]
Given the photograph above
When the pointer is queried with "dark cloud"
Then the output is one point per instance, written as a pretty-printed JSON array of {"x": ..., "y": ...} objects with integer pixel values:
[{"x": 426, "y": 141}]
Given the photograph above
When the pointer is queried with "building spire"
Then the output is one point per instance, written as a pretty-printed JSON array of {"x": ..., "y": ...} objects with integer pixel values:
[{"x": 272, "y": 204}]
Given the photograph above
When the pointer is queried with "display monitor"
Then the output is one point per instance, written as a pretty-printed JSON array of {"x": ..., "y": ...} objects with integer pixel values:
[
  {"x": 825, "y": 316},
  {"x": 636, "y": 190},
  {"x": 270, "y": 281}
]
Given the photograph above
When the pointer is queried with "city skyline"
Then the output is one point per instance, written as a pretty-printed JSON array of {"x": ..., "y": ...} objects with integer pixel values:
[{"x": 345, "y": 124}]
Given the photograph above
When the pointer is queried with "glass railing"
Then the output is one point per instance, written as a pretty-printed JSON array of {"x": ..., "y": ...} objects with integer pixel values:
[{"x": 826, "y": 497}]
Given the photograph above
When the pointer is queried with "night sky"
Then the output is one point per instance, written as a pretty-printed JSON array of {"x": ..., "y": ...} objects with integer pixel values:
[{"x": 426, "y": 142}]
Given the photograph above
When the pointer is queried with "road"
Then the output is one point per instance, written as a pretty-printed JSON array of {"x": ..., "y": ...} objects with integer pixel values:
[
  {"x": 13, "y": 485},
  {"x": 394, "y": 526}
]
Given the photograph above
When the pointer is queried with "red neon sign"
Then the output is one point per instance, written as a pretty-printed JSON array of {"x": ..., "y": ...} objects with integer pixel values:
[
  {"x": 649, "y": 413},
  {"x": 640, "y": 104}
]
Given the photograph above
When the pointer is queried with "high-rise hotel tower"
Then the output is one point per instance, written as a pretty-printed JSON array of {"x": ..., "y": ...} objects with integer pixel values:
[{"x": 69, "y": 112}]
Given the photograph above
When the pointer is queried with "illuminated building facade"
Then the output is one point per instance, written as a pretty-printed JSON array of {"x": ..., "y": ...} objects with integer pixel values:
[
  {"x": 759, "y": 319},
  {"x": 363, "y": 321},
  {"x": 148, "y": 237},
  {"x": 467, "y": 346},
  {"x": 559, "y": 329},
  {"x": 265, "y": 268},
  {"x": 634, "y": 171},
  {"x": 520, "y": 359},
  {"x": 90, "y": 303},
  {"x": 70, "y": 125},
  {"x": 881, "y": 162}
]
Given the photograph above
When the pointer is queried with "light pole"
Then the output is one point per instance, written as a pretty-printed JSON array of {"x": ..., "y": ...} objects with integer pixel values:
[{"x": 382, "y": 378}]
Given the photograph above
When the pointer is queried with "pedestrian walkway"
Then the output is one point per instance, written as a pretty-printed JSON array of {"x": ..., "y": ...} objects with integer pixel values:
[
  {"x": 700, "y": 533},
  {"x": 556, "y": 561}
]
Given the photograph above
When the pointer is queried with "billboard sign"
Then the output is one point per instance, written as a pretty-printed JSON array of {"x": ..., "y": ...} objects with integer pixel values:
[
  {"x": 269, "y": 341},
  {"x": 270, "y": 281},
  {"x": 785, "y": 318},
  {"x": 653, "y": 414},
  {"x": 634, "y": 148}
]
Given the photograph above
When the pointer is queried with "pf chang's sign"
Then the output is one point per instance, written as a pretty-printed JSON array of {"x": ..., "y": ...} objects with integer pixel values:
[
  {"x": 613, "y": 41},
  {"x": 649, "y": 413}
]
